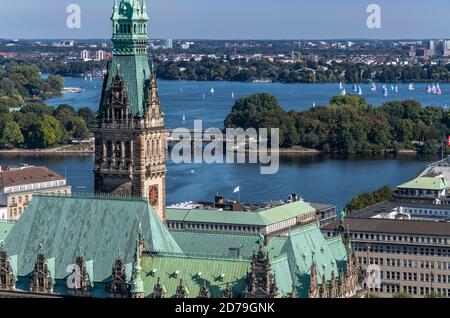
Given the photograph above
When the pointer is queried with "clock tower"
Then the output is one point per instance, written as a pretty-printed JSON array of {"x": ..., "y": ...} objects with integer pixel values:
[{"x": 130, "y": 138}]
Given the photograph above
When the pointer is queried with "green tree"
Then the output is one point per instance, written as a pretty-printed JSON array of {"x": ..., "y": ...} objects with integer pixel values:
[
  {"x": 88, "y": 115},
  {"x": 11, "y": 135},
  {"x": 66, "y": 114},
  {"x": 50, "y": 132},
  {"x": 80, "y": 130},
  {"x": 366, "y": 199}
]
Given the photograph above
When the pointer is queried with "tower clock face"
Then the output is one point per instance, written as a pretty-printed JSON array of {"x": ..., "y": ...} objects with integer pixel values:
[{"x": 153, "y": 195}]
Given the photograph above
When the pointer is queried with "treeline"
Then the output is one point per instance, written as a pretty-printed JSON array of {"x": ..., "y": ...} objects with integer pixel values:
[
  {"x": 210, "y": 69},
  {"x": 369, "y": 198},
  {"x": 75, "y": 68},
  {"x": 348, "y": 125},
  {"x": 38, "y": 126},
  {"x": 21, "y": 82}
]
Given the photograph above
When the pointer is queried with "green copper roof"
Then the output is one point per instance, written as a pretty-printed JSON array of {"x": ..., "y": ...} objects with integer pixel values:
[
  {"x": 263, "y": 218},
  {"x": 5, "y": 228},
  {"x": 224, "y": 244},
  {"x": 426, "y": 183},
  {"x": 194, "y": 272},
  {"x": 304, "y": 245},
  {"x": 103, "y": 227},
  {"x": 135, "y": 70}
]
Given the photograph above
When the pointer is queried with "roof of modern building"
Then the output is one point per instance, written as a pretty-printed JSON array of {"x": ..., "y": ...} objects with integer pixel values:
[
  {"x": 426, "y": 183},
  {"x": 31, "y": 175},
  {"x": 391, "y": 226},
  {"x": 263, "y": 218},
  {"x": 103, "y": 228}
]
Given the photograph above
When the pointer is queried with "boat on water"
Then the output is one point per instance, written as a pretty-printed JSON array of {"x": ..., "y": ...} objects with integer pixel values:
[
  {"x": 438, "y": 90},
  {"x": 392, "y": 88},
  {"x": 373, "y": 88},
  {"x": 204, "y": 96},
  {"x": 232, "y": 95},
  {"x": 428, "y": 89},
  {"x": 434, "y": 89},
  {"x": 73, "y": 90},
  {"x": 396, "y": 88},
  {"x": 341, "y": 86},
  {"x": 411, "y": 87},
  {"x": 355, "y": 88},
  {"x": 360, "y": 92},
  {"x": 212, "y": 92},
  {"x": 184, "y": 118},
  {"x": 385, "y": 91}
]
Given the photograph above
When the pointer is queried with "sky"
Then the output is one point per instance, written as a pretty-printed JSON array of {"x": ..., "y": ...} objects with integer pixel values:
[{"x": 234, "y": 19}]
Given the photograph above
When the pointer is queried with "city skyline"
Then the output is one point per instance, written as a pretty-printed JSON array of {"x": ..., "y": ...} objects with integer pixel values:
[{"x": 264, "y": 19}]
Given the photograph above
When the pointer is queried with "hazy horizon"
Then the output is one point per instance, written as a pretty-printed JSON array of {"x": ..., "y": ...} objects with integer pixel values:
[{"x": 235, "y": 19}]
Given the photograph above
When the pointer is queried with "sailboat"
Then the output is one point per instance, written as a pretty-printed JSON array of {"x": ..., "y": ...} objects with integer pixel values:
[
  {"x": 204, "y": 96},
  {"x": 428, "y": 89},
  {"x": 341, "y": 86},
  {"x": 392, "y": 87},
  {"x": 359, "y": 90},
  {"x": 434, "y": 89},
  {"x": 396, "y": 88},
  {"x": 438, "y": 90},
  {"x": 385, "y": 91},
  {"x": 355, "y": 88},
  {"x": 181, "y": 90},
  {"x": 212, "y": 91},
  {"x": 374, "y": 87},
  {"x": 232, "y": 95},
  {"x": 184, "y": 118},
  {"x": 411, "y": 87},
  {"x": 85, "y": 78}
]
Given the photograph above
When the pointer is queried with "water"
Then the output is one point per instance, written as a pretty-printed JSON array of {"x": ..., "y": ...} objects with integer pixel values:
[
  {"x": 318, "y": 178},
  {"x": 180, "y": 98}
]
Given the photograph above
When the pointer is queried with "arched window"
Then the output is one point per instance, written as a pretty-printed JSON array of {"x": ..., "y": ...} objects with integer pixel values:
[{"x": 135, "y": 28}]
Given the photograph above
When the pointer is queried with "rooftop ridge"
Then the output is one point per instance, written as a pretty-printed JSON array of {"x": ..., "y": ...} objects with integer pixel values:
[
  {"x": 84, "y": 195},
  {"x": 203, "y": 256},
  {"x": 218, "y": 232}
]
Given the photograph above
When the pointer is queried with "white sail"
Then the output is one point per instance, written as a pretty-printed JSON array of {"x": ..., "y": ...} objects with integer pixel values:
[{"x": 212, "y": 91}]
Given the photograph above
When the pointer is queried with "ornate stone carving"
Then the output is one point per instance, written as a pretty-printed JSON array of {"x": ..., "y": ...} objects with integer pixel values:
[
  {"x": 158, "y": 290},
  {"x": 204, "y": 291},
  {"x": 7, "y": 277},
  {"x": 118, "y": 287},
  {"x": 41, "y": 280},
  {"x": 260, "y": 281},
  {"x": 181, "y": 290}
]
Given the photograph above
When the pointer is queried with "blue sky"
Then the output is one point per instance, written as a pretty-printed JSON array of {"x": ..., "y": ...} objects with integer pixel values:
[{"x": 234, "y": 19}]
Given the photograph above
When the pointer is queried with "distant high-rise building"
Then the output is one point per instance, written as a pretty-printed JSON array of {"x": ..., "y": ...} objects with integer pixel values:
[
  {"x": 85, "y": 55},
  {"x": 99, "y": 55},
  {"x": 446, "y": 48},
  {"x": 169, "y": 44}
]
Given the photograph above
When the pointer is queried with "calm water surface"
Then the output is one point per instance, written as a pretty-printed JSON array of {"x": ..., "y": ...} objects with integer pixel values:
[{"x": 318, "y": 178}]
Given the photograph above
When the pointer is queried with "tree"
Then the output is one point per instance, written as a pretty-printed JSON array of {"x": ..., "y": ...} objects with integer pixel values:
[
  {"x": 66, "y": 114},
  {"x": 50, "y": 132},
  {"x": 367, "y": 199},
  {"x": 88, "y": 115},
  {"x": 11, "y": 135},
  {"x": 80, "y": 130}
]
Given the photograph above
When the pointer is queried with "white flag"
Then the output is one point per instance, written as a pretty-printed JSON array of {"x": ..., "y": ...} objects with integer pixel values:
[{"x": 237, "y": 190}]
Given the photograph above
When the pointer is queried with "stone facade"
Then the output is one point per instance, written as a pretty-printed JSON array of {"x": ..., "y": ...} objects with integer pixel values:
[{"x": 130, "y": 138}]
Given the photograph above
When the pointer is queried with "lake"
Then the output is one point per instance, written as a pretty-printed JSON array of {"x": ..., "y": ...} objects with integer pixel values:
[
  {"x": 180, "y": 98},
  {"x": 317, "y": 178}
]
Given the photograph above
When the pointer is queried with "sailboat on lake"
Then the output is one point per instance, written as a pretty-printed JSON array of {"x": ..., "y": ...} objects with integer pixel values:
[
  {"x": 411, "y": 87},
  {"x": 360, "y": 92},
  {"x": 212, "y": 92},
  {"x": 385, "y": 91},
  {"x": 438, "y": 90},
  {"x": 374, "y": 87},
  {"x": 428, "y": 89}
]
